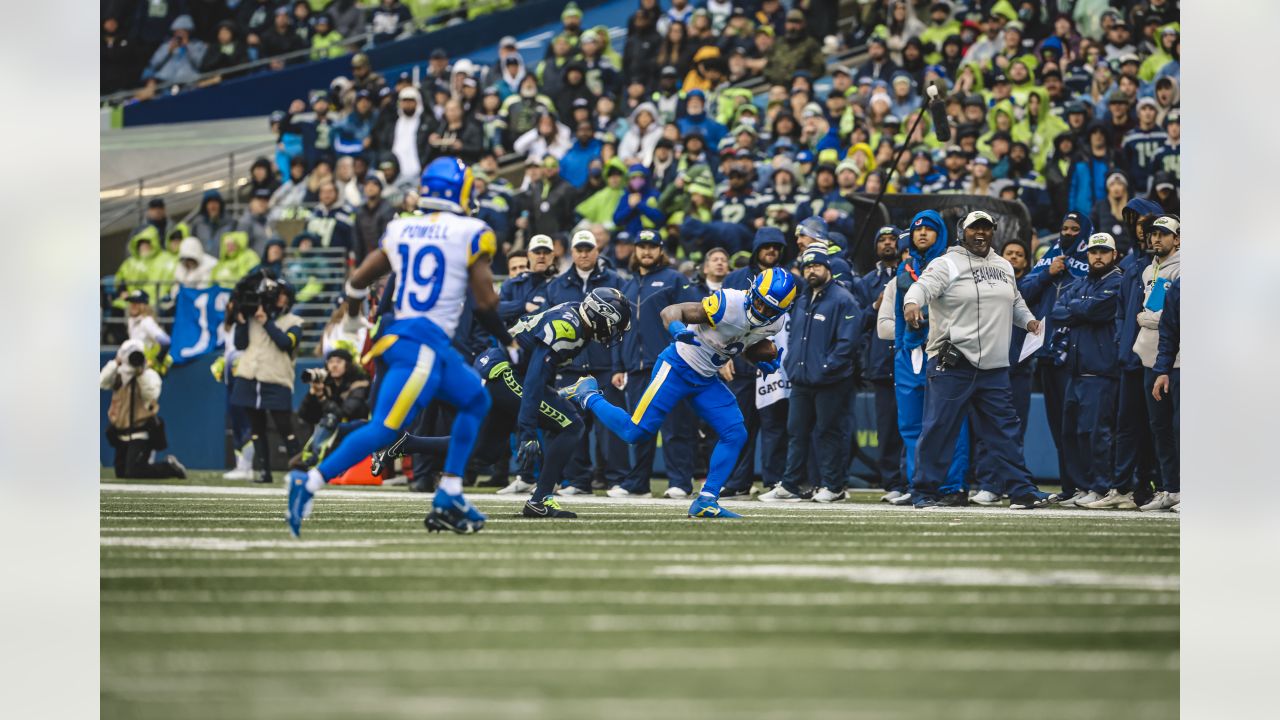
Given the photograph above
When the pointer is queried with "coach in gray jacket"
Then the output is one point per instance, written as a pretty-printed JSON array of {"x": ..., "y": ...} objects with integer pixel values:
[{"x": 973, "y": 305}]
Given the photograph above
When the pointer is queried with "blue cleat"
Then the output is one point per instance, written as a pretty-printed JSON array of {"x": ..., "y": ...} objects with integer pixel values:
[
  {"x": 453, "y": 513},
  {"x": 706, "y": 507},
  {"x": 581, "y": 391},
  {"x": 300, "y": 499}
]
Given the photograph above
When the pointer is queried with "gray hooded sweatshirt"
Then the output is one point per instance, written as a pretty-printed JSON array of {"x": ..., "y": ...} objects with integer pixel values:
[
  {"x": 974, "y": 303},
  {"x": 1148, "y": 340}
]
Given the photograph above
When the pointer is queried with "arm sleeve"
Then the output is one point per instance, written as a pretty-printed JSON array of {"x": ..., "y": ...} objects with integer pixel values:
[
  {"x": 282, "y": 339},
  {"x": 157, "y": 334},
  {"x": 509, "y": 309},
  {"x": 309, "y": 410},
  {"x": 844, "y": 349},
  {"x": 355, "y": 406},
  {"x": 242, "y": 336},
  {"x": 933, "y": 282},
  {"x": 1170, "y": 334},
  {"x": 149, "y": 385},
  {"x": 886, "y": 324},
  {"x": 1034, "y": 283},
  {"x": 531, "y": 398},
  {"x": 491, "y": 321},
  {"x": 107, "y": 377},
  {"x": 649, "y": 207},
  {"x": 1021, "y": 313},
  {"x": 1095, "y": 308}
]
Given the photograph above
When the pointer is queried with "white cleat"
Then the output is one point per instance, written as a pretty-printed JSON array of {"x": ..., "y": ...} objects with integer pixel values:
[
  {"x": 1088, "y": 500},
  {"x": 780, "y": 494},
  {"x": 890, "y": 496},
  {"x": 826, "y": 496},
  {"x": 1114, "y": 499},
  {"x": 675, "y": 493},
  {"x": 572, "y": 490},
  {"x": 617, "y": 491},
  {"x": 1071, "y": 501},
  {"x": 1162, "y": 501},
  {"x": 987, "y": 498},
  {"x": 902, "y": 500},
  {"x": 517, "y": 487}
]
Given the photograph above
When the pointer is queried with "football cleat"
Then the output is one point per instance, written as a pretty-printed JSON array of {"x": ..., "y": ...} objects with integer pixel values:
[
  {"x": 300, "y": 500},
  {"x": 707, "y": 507},
  {"x": 453, "y": 513},
  {"x": 549, "y": 508},
  {"x": 517, "y": 487},
  {"x": 581, "y": 391},
  {"x": 380, "y": 458}
]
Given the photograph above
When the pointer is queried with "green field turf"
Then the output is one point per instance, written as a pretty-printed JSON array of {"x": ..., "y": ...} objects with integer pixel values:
[{"x": 210, "y": 610}]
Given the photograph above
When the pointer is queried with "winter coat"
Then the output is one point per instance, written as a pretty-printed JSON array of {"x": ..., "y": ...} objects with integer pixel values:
[
  {"x": 201, "y": 276},
  {"x": 826, "y": 336},
  {"x": 1041, "y": 291},
  {"x": 1168, "y": 350},
  {"x": 648, "y": 295},
  {"x": 1146, "y": 344},
  {"x": 1133, "y": 292},
  {"x": 233, "y": 265},
  {"x": 210, "y": 229},
  {"x": 139, "y": 273},
  {"x": 637, "y": 143},
  {"x": 1090, "y": 306}
]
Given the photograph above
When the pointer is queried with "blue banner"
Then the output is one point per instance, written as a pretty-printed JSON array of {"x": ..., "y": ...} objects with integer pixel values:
[{"x": 196, "y": 318}]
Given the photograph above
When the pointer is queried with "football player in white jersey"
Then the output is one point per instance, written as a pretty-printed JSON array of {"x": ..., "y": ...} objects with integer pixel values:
[
  {"x": 436, "y": 258},
  {"x": 725, "y": 324}
]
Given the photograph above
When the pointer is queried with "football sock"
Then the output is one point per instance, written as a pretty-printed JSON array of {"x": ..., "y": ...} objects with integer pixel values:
[
  {"x": 419, "y": 445},
  {"x": 450, "y": 484}
]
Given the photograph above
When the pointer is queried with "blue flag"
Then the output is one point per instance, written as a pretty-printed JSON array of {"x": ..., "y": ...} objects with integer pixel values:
[{"x": 196, "y": 318}]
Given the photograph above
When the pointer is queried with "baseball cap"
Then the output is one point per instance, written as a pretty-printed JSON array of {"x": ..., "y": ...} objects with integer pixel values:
[
  {"x": 1128, "y": 58},
  {"x": 543, "y": 242},
  {"x": 670, "y": 71},
  {"x": 262, "y": 194},
  {"x": 804, "y": 156},
  {"x": 409, "y": 94},
  {"x": 139, "y": 296},
  {"x": 847, "y": 164},
  {"x": 359, "y": 60},
  {"x": 795, "y": 15},
  {"x": 1148, "y": 101},
  {"x": 1120, "y": 96},
  {"x": 974, "y": 218},
  {"x": 648, "y": 237},
  {"x": 888, "y": 230},
  {"x": 1167, "y": 224},
  {"x": 550, "y": 161},
  {"x": 583, "y": 238},
  {"x": 507, "y": 41},
  {"x": 156, "y": 202},
  {"x": 812, "y": 110},
  {"x": 373, "y": 179},
  {"x": 1117, "y": 176},
  {"x": 1101, "y": 240},
  {"x": 439, "y": 54}
]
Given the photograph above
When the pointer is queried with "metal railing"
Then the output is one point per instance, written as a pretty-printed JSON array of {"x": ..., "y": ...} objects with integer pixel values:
[
  {"x": 355, "y": 43},
  {"x": 326, "y": 266}
]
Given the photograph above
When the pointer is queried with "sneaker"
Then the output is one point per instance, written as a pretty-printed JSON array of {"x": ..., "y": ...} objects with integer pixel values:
[
  {"x": 825, "y": 495},
  {"x": 708, "y": 508},
  {"x": 617, "y": 491},
  {"x": 955, "y": 499},
  {"x": 925, "y": 503},
  {"x": 1162, "y": 501},
  {"x": 177, "y": 466},
  {"x": 890, "y": 496},
  {"x": 675, "y": 493},
  {"x": 238, "y": 474},
  {"x": 392, "y": 451},
  {"x": 454, "y": 513},
  {"x": 549, "y": 508},
  {"x": 300, "y": 500},
  {"x": 517, "y": 487},
  {"x": 397, "y": 481},
  {"x": 986, "y": 498},
  {"x": 901, "y": 500},
  {"x": 572, "y": 490},
  {"x": 1114, "y": 499},
  {"x": 581, "y": 391},
  {"x": 1071, "y": 501},
  {"x": 780, "y": 494},
  {"x": 1032, "y": 501},
  {"x": 1089, "y": 498},
  {"x": 735, "y": 494},
  {"x": 1176, "y": 508}
]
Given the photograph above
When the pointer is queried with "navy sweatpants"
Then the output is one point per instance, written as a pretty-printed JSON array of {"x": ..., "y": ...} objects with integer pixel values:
[
  {"x": 1053, "y": 382},
  {"x": 986, "y": 398},
  {"x": 1088, "y": 416},
  {"x": 1164, "y": 432},
  {"x": 1135, "y": 453},
  {"x": 889, "y": 464}
]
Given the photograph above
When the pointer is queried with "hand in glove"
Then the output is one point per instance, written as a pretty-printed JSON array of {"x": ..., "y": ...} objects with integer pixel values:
[{"x": 770, "y": 366}]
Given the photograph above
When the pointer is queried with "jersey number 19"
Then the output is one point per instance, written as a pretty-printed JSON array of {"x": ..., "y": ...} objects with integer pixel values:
[{"x": 426, "y": 282}]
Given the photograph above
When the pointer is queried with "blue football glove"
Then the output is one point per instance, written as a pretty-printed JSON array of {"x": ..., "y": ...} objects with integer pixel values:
[
  {"x": 682, "y": 333},
  {"x": 528, "y": 455},
  {"x": 770, "y": 366}
]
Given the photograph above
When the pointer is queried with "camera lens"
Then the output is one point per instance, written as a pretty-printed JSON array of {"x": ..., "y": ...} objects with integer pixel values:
[{"x": 137, "y": 359}]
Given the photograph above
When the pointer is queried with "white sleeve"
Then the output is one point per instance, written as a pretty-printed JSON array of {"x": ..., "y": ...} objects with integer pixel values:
[
  {"x": 153, "y": 331},
  {"x": 1021, "y": 313},
  {"x": 107, "y": 377},
  {"x": 149, "y": 385},
  {"x": 933, "y": 282},
  {"x": 886, "y": 323}
]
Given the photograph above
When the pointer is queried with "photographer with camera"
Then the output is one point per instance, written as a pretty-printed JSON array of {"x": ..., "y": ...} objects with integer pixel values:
[
  {"x": 134, "y": 427},
  {"x": 339, "y": 394},
  {"x": 269, "y": 334},
  {"x": 968, "y": 362}
]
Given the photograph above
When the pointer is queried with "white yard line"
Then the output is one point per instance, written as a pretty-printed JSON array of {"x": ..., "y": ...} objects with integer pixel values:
[
  {"x": 930, "y": 576},
  {"x": 593, "y": 500},
  {"x": 979, "y": 624}
]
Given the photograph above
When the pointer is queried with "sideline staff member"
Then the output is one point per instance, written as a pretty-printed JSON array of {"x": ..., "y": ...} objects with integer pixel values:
[{"x": 968, "y": 366}]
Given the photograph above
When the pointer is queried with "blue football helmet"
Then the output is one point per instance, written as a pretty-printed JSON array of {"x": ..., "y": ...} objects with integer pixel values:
[
  {"x": 772, "y": 292},
  {"x": 446, "y": 185}
]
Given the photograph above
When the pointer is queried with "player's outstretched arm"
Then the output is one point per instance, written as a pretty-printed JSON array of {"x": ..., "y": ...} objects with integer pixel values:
[
  {"x": 375, "y": 265},
  {"x": 480, "y": 278},
  {"x": 690, "y": 313}
]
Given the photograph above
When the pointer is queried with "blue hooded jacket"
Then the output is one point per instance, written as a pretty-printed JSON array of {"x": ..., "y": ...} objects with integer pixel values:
[
  {"x": 740, "y": 279},
  {"x": 648, "y": 295},
  {"x": 905, "y": 338},
  {"x": 644, "y": 215},
  {"x": 1040, "y": 290},
  {"x": 1132, "y": 292}
]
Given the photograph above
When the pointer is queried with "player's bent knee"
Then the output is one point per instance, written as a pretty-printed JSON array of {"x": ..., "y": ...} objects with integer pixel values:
[{"x": 734, "y": 435}]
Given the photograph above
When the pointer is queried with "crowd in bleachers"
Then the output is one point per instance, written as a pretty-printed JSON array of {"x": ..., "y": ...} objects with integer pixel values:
[{"x": 1074, "y": 114}]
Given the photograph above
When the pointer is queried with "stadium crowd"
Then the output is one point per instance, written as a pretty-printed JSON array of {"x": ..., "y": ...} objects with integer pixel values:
[{"x": 1073, "y": 114}]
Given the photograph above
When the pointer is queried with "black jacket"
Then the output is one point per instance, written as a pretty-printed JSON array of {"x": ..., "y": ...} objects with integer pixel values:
[
  {"x": 369, "y": 225},
  {"x": 347, "y": 399}
]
